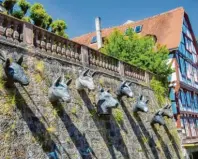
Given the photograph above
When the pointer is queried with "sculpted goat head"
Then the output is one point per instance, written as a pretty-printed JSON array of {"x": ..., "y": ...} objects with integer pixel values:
[
  {"x": 85, "y": 81},
  {"x": 125, "y": 90},
  {"x": 158, "y": 117},
  {"x": 59, "y": 90},
  {"x": 141, "y": 105},
  {"x": 106, "y": 102},
  {"x": 15, "y": 72}
]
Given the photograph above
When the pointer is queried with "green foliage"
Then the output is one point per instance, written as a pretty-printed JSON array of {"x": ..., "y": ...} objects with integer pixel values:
[
  {"x": 39, "y": 67},
  {"x": 47, "y": 22},
  {"x": 74, "y": 110},
  {"x": 18, "y": 14},
  {"x": 26, "y": 19},
  {"x": 2, "y": 82},
  {"x": 24, "y": 5},
  {"x": 118, "y": 115},
  {"x": 139, "y": 51},
  {"x": 9, "y": 5},
  {"x": 160, "y": 91},
  {"x": 39, "y": 15},
  {"x": 58, "y": 27}
]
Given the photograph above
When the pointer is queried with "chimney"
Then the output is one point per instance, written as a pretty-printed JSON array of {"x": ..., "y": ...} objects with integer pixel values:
[{"x": 98, "y": 32}]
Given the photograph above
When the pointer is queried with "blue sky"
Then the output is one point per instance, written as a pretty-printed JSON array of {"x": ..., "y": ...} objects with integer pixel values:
[{"x": 80, "y": 14}]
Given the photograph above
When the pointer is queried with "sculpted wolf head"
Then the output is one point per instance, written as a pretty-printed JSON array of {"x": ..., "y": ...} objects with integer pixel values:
[
  {"x": 59, "y": 90},
  {"x": 125, "y": 90},
  {"x": 14, "y": 71},
  {"x": 158, "y": 117},
  {"x": 141, "y": 105},
  {"x": 106, "y": 102},
  {"x": 85, "y": 81}
]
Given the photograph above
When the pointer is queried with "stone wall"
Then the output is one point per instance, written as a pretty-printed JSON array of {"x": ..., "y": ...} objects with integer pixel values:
[{"x": 31, "y": 127}]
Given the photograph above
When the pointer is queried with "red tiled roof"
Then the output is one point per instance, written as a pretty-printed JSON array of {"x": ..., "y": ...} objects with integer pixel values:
[{"x": 166, "y": 27}]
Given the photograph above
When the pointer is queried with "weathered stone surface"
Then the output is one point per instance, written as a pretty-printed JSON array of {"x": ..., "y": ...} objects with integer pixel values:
[{"x": 31, "y": 127}]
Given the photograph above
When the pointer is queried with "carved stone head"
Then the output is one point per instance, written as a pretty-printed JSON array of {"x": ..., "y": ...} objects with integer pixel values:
[
  {"x": 59, "y": 90},
  {"x": 106, "y": 102},
  {"x": 141, "y": 105},
  {"x": 85, "y": 81},
  {"x": 158, "y": 117},
  {"x": 14, "y": 71},
  {"x": 125, "y": 90}
]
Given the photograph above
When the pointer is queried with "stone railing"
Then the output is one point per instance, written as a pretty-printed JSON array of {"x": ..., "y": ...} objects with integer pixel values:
[
  {"x": 11, "y": 28},
  {"x": 57, "y": 45},
  {"x": 134, "y": 72},
  {"x": 103, "y": 61},
  {"x": 52, "y": 44}
]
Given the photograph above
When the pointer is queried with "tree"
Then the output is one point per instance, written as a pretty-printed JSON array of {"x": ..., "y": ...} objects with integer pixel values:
[
  {"x": 24, "y": 5},
  {"x": 142, "y": 52},
  {"x": 47, "y": 22},
  {"x": 139, "y": 51},
  {"x": 18, "y": 14},
  {"x": 9, "y": 5},
  {"x": 26, "y": 19},
  {"x": 58, "y": 27},
  {"x": 39, "y": 16}
]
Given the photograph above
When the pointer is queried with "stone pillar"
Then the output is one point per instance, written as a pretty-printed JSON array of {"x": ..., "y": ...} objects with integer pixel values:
[
  {"x": 28, "y": 34},
  {"x": 147, "y": 78},
  {"x": 121, "y": 68},
  {"x": 84, "y": 55}
]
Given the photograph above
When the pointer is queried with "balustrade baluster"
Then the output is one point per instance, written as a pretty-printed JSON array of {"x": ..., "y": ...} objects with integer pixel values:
[
  {"x": 54, "y": 45},
  {"x": 2, "y": 28},
  {"x": 37, "y": 40},
  {"x": 9, "y": 30},
  {"x": 94, "y": 57},
  {"x": 63, "y": 51},
  {"x": 68, "y": 51},
  {"x": 59, "y": 48},
  {"x": 100, "y": 59},
  {"x": 43, "y": 43},
  {"x": 76, "y": 55},
  {"x": 48, "y": 45},
  {"x": 72, "y": 51},
  {"x": 16, "y": 33}
]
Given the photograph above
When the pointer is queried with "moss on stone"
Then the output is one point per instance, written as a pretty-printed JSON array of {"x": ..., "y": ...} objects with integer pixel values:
[{"x": 118, "y": 115}]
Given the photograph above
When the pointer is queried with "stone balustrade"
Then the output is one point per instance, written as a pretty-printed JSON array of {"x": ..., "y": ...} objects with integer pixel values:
[
  {"x": 11, "y": 28},
  {"x": 103, "y": 61},
  {"x": 134, "y": 72},
  {"x": 52, "y": 44},
  {"x": 56, "y": 45}
]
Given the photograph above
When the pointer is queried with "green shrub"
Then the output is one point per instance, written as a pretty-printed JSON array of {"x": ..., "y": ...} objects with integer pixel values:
[
  {"x": 160, "y": 91},
  {"x": 118, "y": 115}
]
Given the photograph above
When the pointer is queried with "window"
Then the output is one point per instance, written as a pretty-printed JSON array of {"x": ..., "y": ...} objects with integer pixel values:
[
  {"x": 182, "y": 66},
  {"x": 189, "y": 70},
  {"x": 183, "y": 98},
  {"x": 186, "y": 124},
  {"x": 189, "y": 44},
  {"x": 183, "y": 126},
  {"x": 188, "y": 95},
  {"x": 192, "y": 126},
  {"x": 94, "y": 40},
  {"x": 195, "y": 102},
  {"x": 138, "y": 28},
  {"x": 195, "y": 74}
]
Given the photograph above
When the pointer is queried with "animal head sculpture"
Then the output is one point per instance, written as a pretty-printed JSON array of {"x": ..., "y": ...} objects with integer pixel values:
[
  {"x": 85, "y": 80},
  {"x": 15, "y": 72},
  {"x": 141, "y": 105},
  {"x": 158, "y": 117},
  {"x": 106, "y": 102},
  {"x": 125, "y": 90},
  {"x": 59, "y": 90}
]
